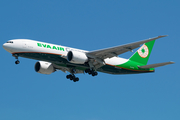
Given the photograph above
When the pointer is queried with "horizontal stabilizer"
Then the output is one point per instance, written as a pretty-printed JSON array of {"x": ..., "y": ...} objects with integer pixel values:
[{"x": 155, "y": 65}]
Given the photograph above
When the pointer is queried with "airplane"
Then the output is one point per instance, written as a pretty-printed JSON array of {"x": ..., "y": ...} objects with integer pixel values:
[{"x": 56, "y": 57}]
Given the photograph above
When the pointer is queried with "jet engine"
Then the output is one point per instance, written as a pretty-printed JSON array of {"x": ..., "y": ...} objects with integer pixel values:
[
  {"x": 77, "y": 57},
  {"x": 44, "y": 67}
]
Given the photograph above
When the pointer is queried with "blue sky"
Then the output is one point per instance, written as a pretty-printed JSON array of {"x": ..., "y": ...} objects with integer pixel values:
[{"x": 90, "y": 25}]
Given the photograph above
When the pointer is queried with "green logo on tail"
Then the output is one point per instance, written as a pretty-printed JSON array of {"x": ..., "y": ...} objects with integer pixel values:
[{"x": 143, "y": 51}]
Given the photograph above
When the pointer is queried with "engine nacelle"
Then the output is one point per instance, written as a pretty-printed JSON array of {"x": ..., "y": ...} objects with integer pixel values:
[
  {"x": 77, "y": 57},
  {"x": 44, "y": 67}
]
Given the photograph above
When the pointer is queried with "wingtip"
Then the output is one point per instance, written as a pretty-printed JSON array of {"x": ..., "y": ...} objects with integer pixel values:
[
  {"x": 158, "y": 37},
  {"x": 162, "y": 36},
  {"x": 171, "y": 62}
]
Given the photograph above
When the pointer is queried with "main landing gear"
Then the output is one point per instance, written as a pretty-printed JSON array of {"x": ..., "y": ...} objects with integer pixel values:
[
  {"x": 16, "y": 57},
  {"x": 91, "y": 72},
  {"x": 72, "y": 77},
  {"x": 75, "y": 79}
]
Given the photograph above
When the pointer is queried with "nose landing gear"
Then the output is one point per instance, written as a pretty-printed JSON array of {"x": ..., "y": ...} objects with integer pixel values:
[
  {"x": 17, "y": 62},
  {"x": 16, "y": 57}
]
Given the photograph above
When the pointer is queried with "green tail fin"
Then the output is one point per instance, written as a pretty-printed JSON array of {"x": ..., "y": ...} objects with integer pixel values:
[{"x": 143, "y": 53}]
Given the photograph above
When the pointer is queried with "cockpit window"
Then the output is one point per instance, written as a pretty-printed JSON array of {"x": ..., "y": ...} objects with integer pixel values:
[{"x": 9, "y": 42}]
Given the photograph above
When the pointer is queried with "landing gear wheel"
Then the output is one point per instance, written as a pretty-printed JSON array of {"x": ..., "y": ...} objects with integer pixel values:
[
  {"x": 91, "y": 72},
  {"x": 87, "y": 70},
  {"x": 95, "y": 73},
  {"x": 17, "y": 62},
  {"x": 16, "y": 57},
  {"x": 67, "y": 76},
  {"x": 72, "y": 77},
  {"x": 76, "y": 79}
]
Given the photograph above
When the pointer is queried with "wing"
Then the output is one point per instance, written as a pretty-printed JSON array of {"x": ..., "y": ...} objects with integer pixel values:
[{"x": 102, "y": 54}]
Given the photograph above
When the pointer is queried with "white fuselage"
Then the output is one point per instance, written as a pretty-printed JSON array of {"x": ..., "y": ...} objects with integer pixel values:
[{"x": 31, "y": 46}]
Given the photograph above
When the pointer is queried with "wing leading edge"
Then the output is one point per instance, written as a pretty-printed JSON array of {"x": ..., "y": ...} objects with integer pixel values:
[{"x": 102, "y": 54}]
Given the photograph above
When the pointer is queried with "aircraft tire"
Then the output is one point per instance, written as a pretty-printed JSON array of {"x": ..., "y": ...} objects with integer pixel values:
[
  {"x": 17, "y": 62},
  {"x": 67, "y": 76},
  {"x": 76, "y": 79}
]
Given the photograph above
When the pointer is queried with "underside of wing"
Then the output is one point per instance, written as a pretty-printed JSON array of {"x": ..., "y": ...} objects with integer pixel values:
[{"x": 115, "y": 51}]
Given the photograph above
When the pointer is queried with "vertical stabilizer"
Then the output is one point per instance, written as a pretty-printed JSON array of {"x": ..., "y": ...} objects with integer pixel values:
[{"x": 143, "y": 53}]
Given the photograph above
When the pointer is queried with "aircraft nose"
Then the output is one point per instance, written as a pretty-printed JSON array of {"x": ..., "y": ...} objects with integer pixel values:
[
  {"x": 4, "y": 46},
  {"x": 7, "y": 47}
]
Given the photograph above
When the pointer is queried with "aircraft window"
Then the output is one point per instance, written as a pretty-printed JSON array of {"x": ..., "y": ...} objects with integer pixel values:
[{"x": 9, "y": 42}]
